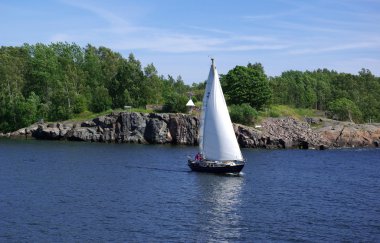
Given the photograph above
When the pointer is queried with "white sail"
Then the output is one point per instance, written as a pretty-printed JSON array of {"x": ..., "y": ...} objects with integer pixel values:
[{"x": 217, "y": 140}]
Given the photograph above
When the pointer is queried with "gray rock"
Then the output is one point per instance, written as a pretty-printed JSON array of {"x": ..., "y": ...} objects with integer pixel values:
[
  {"x": 183, "y": 129},
  {"x": 50, "y": 132},
  {"x": 157, "y": 131},
  {"x": 289, "y": 133},
  {"x": 344, "y": 134}
]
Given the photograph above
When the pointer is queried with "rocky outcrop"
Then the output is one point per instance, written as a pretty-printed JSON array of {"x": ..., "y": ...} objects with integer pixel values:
[
  {"x": 249, "y": 137},
  {"x": 291, "y": 133},
  {"x": 123, "y": 127},
  {"x": 155, "y": 128},
  {"x": 280, "y": 133},
  {"x": 345, "y": 134}
]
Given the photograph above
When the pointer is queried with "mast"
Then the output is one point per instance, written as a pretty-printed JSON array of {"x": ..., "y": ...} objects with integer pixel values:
[{"x": 204, "y": 108}]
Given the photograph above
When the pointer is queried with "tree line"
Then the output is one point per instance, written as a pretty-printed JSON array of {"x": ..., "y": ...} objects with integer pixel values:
[
  {"x": 60, "y": 80},
  {"x": 340, "y": 96},
  {"x": 343, "y": 96}
]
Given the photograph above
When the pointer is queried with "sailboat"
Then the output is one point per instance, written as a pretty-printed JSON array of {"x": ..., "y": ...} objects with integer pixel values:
[{"x": 219, "y": 151}]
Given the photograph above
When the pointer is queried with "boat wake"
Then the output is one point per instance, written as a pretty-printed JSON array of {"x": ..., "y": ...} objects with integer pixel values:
[
  {"x": 240, "y": 174},
  {"x": 156, "y": 169}
]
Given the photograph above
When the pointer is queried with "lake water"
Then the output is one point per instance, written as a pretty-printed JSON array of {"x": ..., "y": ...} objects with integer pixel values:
[{"x": 86, "y": 192}]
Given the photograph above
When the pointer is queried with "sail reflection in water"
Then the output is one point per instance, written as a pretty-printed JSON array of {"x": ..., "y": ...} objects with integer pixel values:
[{"x": 221, "y": 195}]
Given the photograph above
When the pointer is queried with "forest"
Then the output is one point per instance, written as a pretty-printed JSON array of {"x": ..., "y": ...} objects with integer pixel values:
[{"x": 61, "y": 80}]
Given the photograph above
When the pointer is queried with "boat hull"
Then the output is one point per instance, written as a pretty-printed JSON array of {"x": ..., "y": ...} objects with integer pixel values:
[{"x": 214, "y": 168}]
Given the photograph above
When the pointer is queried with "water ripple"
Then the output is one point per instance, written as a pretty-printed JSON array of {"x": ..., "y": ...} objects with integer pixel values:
[{"x": 64, "y": 192}]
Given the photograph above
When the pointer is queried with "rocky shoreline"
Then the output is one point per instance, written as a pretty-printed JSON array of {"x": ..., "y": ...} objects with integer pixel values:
[{"x": 154, "y": 128}]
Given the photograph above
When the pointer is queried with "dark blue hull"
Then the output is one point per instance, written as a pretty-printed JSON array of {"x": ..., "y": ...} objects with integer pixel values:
[{"x": 215, "y": 168}]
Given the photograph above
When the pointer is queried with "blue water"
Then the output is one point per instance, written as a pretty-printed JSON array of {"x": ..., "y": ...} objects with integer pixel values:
[{"x": 86, "y": 192}]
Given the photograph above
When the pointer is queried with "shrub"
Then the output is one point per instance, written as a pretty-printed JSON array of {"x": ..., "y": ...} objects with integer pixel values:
[
  {"x": 175, "y": 103},
  {"x": 243, "y": 114},
  {"x": 344, "y": 109}
]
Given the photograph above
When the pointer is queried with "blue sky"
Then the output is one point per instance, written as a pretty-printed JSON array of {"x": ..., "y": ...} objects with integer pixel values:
[{"x": 178, "y": 37}]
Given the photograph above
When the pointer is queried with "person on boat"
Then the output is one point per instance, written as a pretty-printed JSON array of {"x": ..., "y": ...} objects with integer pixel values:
[{"x": 198, "y": 157}]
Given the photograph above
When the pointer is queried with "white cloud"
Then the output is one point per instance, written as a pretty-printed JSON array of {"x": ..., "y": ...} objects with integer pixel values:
[
  {"x": 100, "y": 12},
  {"x": 122, "y": 35},
  {"x": 307, "y": 34},
  {"x": 336, "y": 47}
]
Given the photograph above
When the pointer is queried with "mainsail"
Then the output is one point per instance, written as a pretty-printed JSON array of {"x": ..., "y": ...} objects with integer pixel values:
[{"x": 217, "y": 140}]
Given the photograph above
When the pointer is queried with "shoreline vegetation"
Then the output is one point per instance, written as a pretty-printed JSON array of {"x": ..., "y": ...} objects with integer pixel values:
[{"x": 63, "y": 83}]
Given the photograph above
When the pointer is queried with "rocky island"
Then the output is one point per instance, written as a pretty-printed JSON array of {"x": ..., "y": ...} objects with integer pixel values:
[{"x": 175, "y": 128}]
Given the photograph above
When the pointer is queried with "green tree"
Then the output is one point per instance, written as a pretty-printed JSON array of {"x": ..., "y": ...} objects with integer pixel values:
[
  {"x": 43, "y": 72},
  {"x": 71, "y": 59},
  {"x": 175, "y": 103},
  {"x": 368, "y": 102},
  {"x": 198, "y": 91},
  {"x": 129, "y": 80},
  {"x": 13, "y": 68},
  {"x": 101, "y": 100},
  {"x": 80, "y": 103},
  {"x": 295, "y": 88},
  {"x": 153, "y": 89},
  {"x": 92, "y": 67},
  {"x": 322, "y": 87},
  {"x": 247, "y": 85},
  {"x": 345, "y": 109},
  {"x": 32, "y": 107}
]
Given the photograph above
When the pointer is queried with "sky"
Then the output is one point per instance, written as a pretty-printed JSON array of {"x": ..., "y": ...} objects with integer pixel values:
[{"x": 179, "y": 37}]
